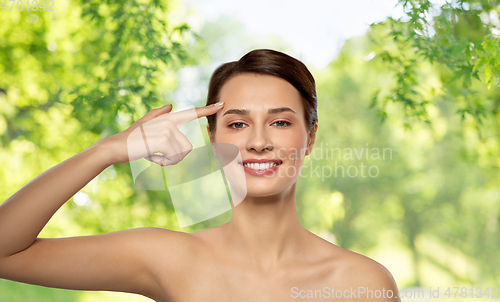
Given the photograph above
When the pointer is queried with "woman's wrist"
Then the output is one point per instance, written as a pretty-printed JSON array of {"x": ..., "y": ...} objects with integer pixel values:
[{"x": 104, "y": 149}]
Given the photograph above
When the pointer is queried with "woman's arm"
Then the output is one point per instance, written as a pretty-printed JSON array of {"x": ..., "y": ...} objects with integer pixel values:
[
  {"x": 102, "y": 262},
  {"x": 89, "y": 262},
  {"x": 27, "y": 211},
  {"x": 119, "y": 261}
]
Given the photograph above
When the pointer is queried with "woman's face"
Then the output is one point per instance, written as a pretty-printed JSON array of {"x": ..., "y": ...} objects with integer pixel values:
[{"x": 248, "y": 122}]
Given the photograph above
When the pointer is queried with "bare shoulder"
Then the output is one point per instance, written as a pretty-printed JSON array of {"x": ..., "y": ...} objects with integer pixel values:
[
  {"x": 171, "y": 258},
  {"x": 350, "y": 270},
  {"x": 175, "y": 239},
  {"x": 172, "y": 247},
  {"x": 365, "y": 269},
  {"x": 160, "y": 241},
  {"x": 367, "y": 275}
]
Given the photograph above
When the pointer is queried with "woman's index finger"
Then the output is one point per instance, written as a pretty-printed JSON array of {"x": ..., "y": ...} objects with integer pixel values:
[{"x": 182, "y": 117}]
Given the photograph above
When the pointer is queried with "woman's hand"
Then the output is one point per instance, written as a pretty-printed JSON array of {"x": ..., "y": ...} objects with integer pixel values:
[{"x": 156, "y": 132}]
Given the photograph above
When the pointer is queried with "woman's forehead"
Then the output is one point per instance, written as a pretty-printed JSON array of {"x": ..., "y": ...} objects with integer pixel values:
[{"x": 259, "y": 92}]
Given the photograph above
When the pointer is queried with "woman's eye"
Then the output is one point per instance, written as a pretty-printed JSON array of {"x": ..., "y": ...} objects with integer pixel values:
[
  {"x": 240, "y": 124},
  {"x": 282, "y": 124}
]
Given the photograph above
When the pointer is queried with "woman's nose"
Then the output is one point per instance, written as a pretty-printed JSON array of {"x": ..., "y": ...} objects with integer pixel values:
[{"x": 259, "y": 140}]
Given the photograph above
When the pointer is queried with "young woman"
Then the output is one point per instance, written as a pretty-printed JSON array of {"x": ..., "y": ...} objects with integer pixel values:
[{"x": 263, "y": 254}]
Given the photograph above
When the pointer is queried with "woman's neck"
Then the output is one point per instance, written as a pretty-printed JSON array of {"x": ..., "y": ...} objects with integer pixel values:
[{"x": 265, "y": 231}]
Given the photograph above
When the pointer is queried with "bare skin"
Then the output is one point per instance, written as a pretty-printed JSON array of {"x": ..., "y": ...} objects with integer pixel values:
[{"x": 262, "y": 254}]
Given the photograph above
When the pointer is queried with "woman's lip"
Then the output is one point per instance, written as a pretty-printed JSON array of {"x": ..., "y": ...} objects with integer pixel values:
[
  {"x": 261, "y": 161},
  {"x": 240, "y": 163},
  {"x": 248, "y": 161},
  {"x": 255, "y": 172}
]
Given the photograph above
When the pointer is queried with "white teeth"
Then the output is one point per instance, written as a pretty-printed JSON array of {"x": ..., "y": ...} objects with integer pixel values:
[{"x": 262, "y": 166}]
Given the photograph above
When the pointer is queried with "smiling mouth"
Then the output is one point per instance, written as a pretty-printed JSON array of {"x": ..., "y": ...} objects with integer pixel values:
[{"x": 260, "y": 166}]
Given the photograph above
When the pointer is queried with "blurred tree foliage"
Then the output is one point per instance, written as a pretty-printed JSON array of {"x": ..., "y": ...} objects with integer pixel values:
[{"x": 461, "y": 39}]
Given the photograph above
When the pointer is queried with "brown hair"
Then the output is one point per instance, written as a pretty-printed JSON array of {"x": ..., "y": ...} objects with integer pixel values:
[{"x": 270, "y": 62}]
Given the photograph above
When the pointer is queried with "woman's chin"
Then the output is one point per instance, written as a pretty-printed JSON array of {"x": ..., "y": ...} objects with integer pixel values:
[
  {"x": 259, "y": 194},
  {"x": 263, "y": 190},
  {"x": 262, "y": 186}
]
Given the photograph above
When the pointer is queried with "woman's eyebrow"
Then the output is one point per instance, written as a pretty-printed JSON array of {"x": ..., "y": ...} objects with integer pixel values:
[{"x": 270, "y": 111}]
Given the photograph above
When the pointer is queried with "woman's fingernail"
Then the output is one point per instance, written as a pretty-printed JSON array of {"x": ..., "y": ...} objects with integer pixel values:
[{"x": 219, "y": 104}]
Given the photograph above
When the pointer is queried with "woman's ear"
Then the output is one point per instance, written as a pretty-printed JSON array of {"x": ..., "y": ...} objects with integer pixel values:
[{"x": 311, "y": 139}]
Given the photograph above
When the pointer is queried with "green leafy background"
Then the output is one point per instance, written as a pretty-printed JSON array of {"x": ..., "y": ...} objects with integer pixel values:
[{"x": 424, "y": 87}]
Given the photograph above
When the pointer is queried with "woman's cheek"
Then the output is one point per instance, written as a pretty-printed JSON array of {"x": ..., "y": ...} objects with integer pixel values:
[
  {"x": 231, "y": 138},
  {"x": 294, "y": 147}
]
